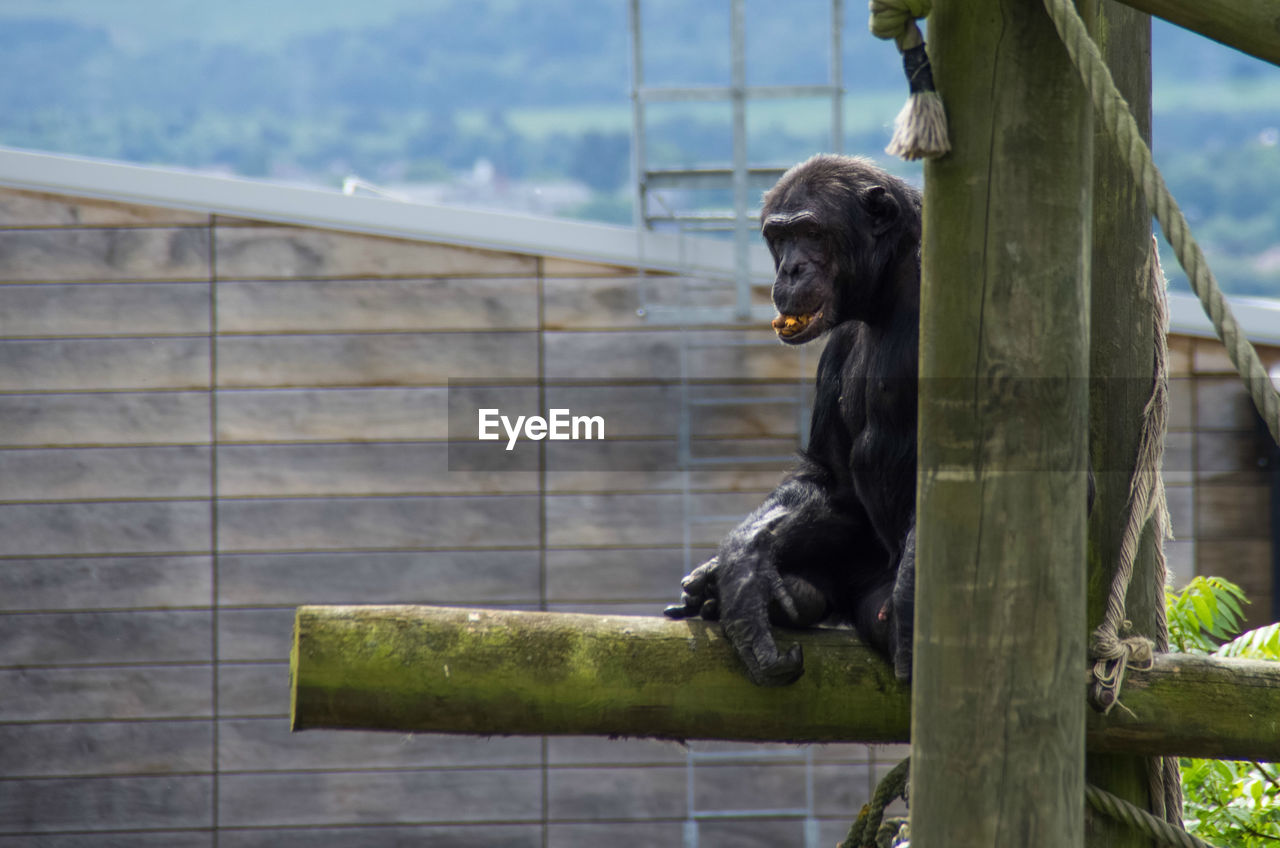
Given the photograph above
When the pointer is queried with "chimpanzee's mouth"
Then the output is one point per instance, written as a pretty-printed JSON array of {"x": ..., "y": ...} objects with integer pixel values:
[{"x": 787, "y": 326}]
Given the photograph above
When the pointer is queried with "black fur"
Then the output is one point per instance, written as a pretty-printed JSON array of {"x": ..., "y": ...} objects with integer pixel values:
[{"x": 836, "y": 539}]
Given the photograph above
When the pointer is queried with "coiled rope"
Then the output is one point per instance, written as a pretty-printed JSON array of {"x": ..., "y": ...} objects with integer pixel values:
[{"x": 867, "y": 831}]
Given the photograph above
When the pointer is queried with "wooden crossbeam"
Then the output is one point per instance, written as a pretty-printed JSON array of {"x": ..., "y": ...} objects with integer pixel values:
[
  {"x": 493, "y": 672},
  {"x": 415, "y": 668},
  {"x": 1251, "y": 26}
]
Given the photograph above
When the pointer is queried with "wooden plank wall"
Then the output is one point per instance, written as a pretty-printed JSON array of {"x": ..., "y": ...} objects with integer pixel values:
[
  {"x": 1179, "y": 462},
  {"x": 1219, "y": 494},
  {"x": 205, "y": 422}
]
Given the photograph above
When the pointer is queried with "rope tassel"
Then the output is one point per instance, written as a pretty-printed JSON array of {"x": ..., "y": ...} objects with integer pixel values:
[{"x": 920, "y": 130}]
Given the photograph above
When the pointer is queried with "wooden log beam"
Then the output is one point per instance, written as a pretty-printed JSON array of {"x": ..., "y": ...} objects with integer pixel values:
[
  {"x": 413, "y": 668},
  {"x": 494, "y": 672},
  {"x": 1251, "y": 26},
  {"x": 998, "y": 727},
  {"x": 1192, "y": 706}
]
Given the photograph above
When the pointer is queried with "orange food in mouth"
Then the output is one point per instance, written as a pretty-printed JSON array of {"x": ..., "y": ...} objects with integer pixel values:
[{"x": 789, "y": 325}]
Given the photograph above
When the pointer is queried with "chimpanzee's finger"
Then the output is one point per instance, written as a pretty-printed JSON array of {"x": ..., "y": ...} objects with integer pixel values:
[
  {"x": 710, "y": 610},
  {"x": 687, "y": 608},
  {"x": 753, "y": 641},
  {"x": 701, "y": 579},
  {"x": 782, "y": 595},
  {"x": 698, "y": 588}
]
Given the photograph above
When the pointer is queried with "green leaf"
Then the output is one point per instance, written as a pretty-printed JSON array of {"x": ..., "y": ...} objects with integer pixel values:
[
  {"x": 1230, "y": 602},
  {"x": 1203, "y": 611},
  {"x": 1216, "y": 630}
]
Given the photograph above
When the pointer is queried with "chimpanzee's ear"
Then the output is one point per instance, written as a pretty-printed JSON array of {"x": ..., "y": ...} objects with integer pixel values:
[{"x": 881, "y": 206}]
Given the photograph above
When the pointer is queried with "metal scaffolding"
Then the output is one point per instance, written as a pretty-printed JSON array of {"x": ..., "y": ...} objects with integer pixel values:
[{"x": 738, "y": 175}]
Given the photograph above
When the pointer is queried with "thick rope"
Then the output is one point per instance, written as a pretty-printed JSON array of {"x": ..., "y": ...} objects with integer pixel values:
[
  {"x": 1164, "y": 773},
  {"x": 1140, "y": 820},
  {"x": 1124, "y": 129},
  {"x": 865, "y": 831},
  {"x": 868, "y": 831},
  {"x": 920, "y": 130},
  {"x": 896, "y": 19}
]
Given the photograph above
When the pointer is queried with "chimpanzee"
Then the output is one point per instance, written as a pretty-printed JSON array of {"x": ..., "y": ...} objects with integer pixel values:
[{"x": 836, "y": 539}]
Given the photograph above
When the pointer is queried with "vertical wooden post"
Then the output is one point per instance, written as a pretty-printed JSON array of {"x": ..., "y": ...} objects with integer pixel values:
[
  {"x": 998, "y": 694},
  {"x": 1120, "y": 363}
]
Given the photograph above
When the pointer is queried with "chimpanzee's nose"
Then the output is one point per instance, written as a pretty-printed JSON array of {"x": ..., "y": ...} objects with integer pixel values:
[{"x": 792, "y": 271}]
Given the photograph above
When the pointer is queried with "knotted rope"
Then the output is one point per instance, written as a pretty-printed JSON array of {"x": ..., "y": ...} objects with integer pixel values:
[
  {"x": 1111, "y": 653},
  {"x": 920, "y": 130}
]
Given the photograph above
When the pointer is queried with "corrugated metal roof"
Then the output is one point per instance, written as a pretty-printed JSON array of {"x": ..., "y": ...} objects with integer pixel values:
[
  {"x": 318, "y": 207},
  {"x": 1259, "y": 316}
]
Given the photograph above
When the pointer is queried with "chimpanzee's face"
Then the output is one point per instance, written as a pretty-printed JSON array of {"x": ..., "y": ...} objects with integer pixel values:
[
  {"x": 836, "y": 228},
  {"x": 804, "y": 286}
]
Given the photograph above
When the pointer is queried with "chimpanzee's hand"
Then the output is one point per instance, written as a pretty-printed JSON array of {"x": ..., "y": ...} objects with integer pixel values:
[{"x": 742, "y": 588}]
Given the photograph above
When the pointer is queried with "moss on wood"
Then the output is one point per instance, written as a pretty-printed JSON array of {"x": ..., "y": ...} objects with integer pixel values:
[{"x": 497, "y": 672}]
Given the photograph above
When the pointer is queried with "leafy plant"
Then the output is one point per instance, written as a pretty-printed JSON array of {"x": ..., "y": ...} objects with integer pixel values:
[
  {"x": 1260, "y": 644},
  {"x": 1226, "y": 802},
  {"x": 1232, "y": 803},
  {"x": 1204, "y": 614}
]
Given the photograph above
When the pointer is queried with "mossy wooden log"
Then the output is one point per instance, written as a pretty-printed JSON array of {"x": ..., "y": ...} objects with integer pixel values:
[
  {"x": 1195, "y": 707},
  {"x": 500, "y": 672},
  {"x": 1251, "y": 26},
  {"x": 451, "y": 670}
]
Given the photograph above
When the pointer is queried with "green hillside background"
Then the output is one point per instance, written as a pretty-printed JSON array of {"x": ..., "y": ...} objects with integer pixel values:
[{"x": 399, "y": 91}]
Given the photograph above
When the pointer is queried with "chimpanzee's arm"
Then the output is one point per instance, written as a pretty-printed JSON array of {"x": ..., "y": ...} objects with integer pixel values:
[
  {"x": 796, "y": 558},
  {"x": 783, "y": 564}
]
